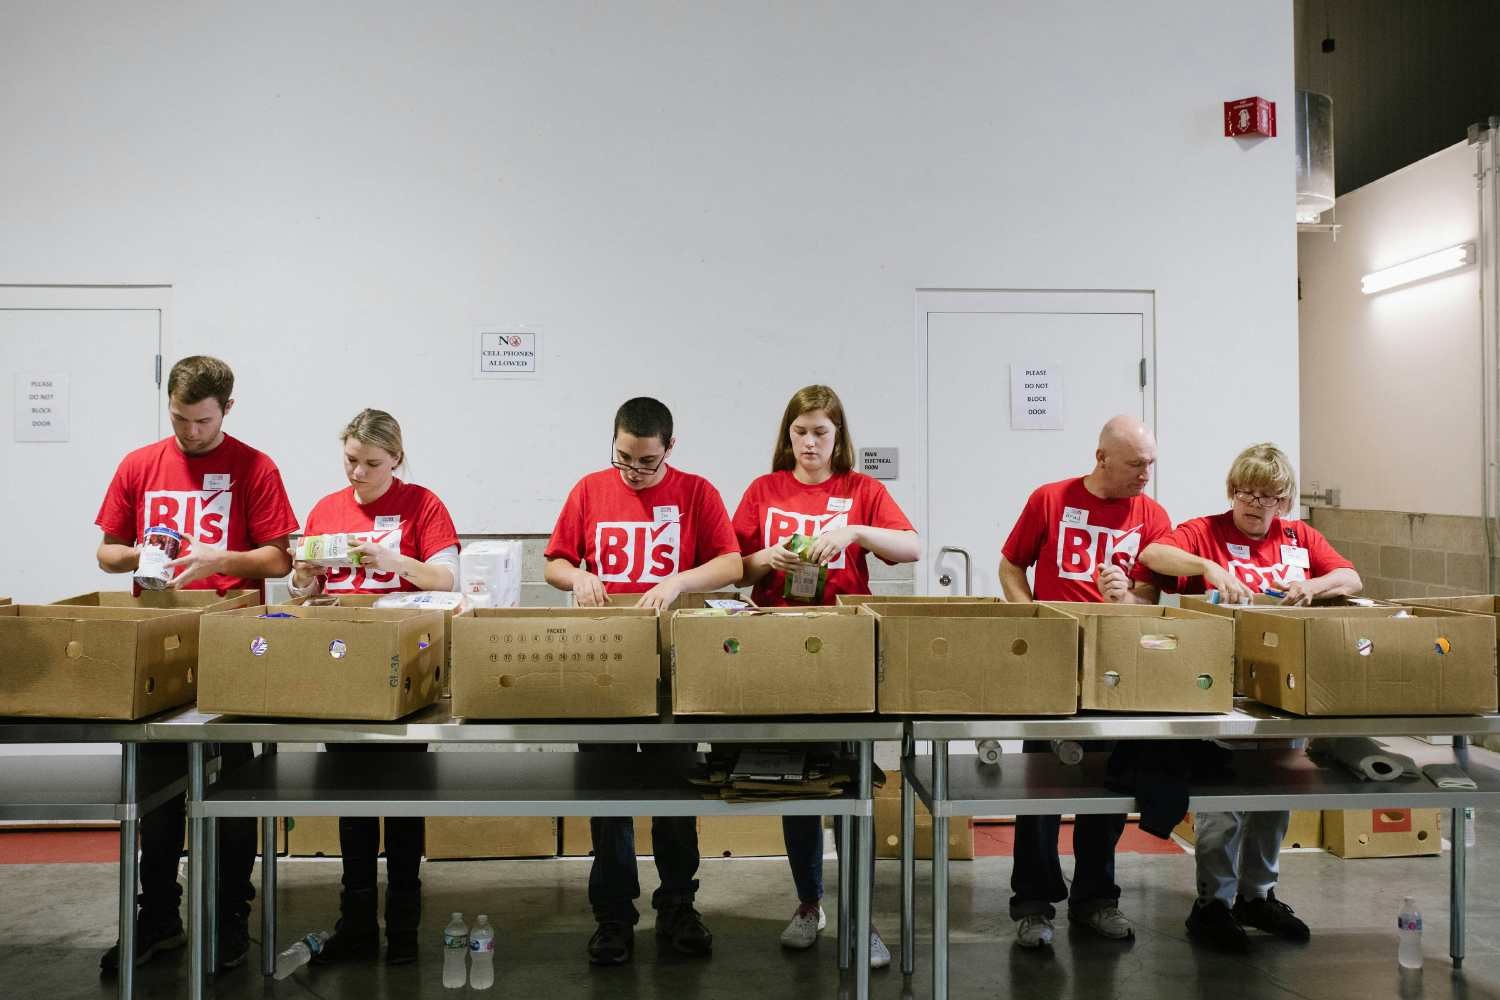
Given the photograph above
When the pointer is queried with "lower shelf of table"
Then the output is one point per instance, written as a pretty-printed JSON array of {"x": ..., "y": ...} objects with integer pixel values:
[
  {"x": 80, "y": 787},
  {"x": 484, "y": 784},
  {"x": 1038, "y": 784}
]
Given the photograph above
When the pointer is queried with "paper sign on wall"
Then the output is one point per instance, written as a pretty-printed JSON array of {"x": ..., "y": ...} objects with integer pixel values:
[
  {"x": 41, "y": 407},
  {"x": 1036, "y": 398},
  {"x": 508, "y": 355},
  {"x": 878, "y": 463}
]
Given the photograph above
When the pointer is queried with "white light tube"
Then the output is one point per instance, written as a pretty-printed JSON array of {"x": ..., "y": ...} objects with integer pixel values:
[{"x": 1440, "y": 262}]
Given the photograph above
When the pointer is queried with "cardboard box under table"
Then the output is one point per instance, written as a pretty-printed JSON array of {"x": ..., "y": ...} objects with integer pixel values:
[
  {"x": 1304, "y": 830},
  {"x": 451, "y": 838},
  {"x": 975, "y": 659},
  {"x": 1369, "y": 661},
  {"x": 888, "y": 827},
  {"x": 80, "y": 662},
  {"x": 1381, "y": 833},
  {"x": 320, "y": 663},
  {"x": 552, "y": 663},
  {"x": 791, "y": 661},
  {"x": 578, "y": 842},
  {"x": 1145, "y": 658}
]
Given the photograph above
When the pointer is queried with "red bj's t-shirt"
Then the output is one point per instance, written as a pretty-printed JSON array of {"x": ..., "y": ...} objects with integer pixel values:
[
  {"x": 634, "y": 539},
  {"x": 777, "y": 506},
  {"x": 1069, "y": 533},
  {"x": 1291, "y": 550},
  {"x": 408, "y": 519},
  {"x": 231, "y": 497}
]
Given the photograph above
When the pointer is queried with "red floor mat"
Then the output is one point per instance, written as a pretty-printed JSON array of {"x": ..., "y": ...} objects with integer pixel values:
[
  {"x": 58, "y": 847},
  {"x": 998, "y": 840}
]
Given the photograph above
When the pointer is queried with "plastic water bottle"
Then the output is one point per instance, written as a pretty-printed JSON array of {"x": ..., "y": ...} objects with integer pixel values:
[
  {"x": 989, "y": 751},
  {"x": 1468, "y": 826},
  {"x": 455, "y": 948},
  {"x": 1409, "y": 923},
  {"x": 299, "y": 954},
  {"x": 1069, "y": 752},
  {"x": 482, "y": 952}
]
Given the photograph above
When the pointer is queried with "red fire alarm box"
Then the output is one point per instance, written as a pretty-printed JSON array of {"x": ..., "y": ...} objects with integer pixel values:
[{"x": 1250, "y": 116}]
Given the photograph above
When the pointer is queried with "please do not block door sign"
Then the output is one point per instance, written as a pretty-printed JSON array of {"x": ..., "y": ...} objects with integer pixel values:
[{"x": 1036, "y": 399}]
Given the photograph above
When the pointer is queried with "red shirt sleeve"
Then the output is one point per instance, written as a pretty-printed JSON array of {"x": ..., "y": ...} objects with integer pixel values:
[
  {"x": 436, "y": 532},
  {"x": 1192, "y": 537},
  {"x": 1030, "y": 531},
  {"x": 568, "y": 535},
  {"x": 119, "y": 514},
  {"x": 716, "y": 535},
  {"x": 271, "y": 515},
  {"x": 747, "y": 522},
  {"x": 1322, "y": 557}
]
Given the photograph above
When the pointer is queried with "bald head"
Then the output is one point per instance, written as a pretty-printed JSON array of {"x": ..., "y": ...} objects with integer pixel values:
[{"x": 1123, "y": 461}]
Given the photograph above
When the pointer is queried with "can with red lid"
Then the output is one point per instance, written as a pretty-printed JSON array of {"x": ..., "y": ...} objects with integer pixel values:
[{"x": 160, "y": 546}]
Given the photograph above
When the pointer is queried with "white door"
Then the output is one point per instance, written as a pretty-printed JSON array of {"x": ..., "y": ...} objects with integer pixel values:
[
  {"x": 51, "y": 491},
  {"x": 980, "y": 470}
]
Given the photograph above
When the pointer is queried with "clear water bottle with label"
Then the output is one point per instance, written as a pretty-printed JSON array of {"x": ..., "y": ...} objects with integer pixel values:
[
  {"x": 299, "y": 954},
  {"x": 455, "y": 952},
  {"x": 482, "y": 954},
  {"x": 1468, "y": 826},
  {"x": 1409, "y": 925}
]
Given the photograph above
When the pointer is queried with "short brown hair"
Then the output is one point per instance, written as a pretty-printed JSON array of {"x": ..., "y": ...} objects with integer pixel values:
[
  {"x": 806, "y": 400},
  {"x": 378, "y": 429},
  {"x": 201, "y": 377}
]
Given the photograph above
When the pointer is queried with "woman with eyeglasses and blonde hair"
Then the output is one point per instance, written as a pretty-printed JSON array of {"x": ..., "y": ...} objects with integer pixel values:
[
  {"x": 814, "y": 491},
  {"x": 1249, "y": 549}
]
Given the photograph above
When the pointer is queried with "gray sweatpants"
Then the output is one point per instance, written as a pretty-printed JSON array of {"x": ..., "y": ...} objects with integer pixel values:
[{"x": 1238, "y": 852}]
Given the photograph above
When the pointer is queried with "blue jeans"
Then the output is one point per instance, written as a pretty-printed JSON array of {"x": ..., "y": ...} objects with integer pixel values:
[{"x": 804, "y": 853}]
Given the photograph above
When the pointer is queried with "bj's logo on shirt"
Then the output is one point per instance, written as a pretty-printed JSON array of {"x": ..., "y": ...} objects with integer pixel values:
[
  {"x": 1082, "y": 547},
  {"x": 1262, "y": 578},
  {"x": 783, "y": 524},
  {"x": 201, "y": 517},
  {"x": 637, "y": 551},
  {"x": 360, "y": 577}
]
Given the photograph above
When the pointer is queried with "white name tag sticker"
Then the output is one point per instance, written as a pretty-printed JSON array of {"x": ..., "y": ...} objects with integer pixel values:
[
  {"x": 1075, "y": 515},
  {"x": 666, "y": 514},
  {"x": 1239, "y": 551},
  {"x": 388, "y": 522},
  {"x": 1295, "y": 555},
  {"x": 216, "y": 481},
  {"x": 840, "y": 503}
]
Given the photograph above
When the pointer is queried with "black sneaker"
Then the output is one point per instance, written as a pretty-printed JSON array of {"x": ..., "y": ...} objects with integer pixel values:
[
  {"x": 684, "y": 928},
  {"x": 154, "y": 934},
  {"x": 234, "y": 943},
  {"x": 1213, "y": 924},
  {"x": 612, "y": 943},
  {"x": 1272, "y": 916}
]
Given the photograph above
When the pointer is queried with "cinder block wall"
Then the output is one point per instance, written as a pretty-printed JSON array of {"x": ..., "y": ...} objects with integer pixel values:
[{"x": 1400, "y": 554}]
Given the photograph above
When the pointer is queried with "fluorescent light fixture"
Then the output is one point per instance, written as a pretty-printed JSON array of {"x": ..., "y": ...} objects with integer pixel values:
[{"x": 1432, "y": 264}]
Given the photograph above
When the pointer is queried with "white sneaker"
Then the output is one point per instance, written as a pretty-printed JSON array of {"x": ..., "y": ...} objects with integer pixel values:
[
  {"x": 880, "y": 955},
  {"x": 1033, "y": 931},
  {"x": 1109, "y": 922},
  {"x": 802, "y": 932}
]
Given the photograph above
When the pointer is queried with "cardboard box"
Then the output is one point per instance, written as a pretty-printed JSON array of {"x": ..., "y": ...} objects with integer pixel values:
[
  {"x": 975, "y": 659},
  {"x": 1145, "y": 658},
  {"x": 741, "y": 837},
  {"x": 455, "y": 837},
  {"x": 1367, "y": 661},
  {"x": 79, "y": 662},
  {"x": 203, "y": 601},
  {"x": 281, "y": 843},
  {"x": 314, "y": 836},
  {"x": 888, "y": 827},
  {"x": 578, "y": 842},
  {"x": 553, "y": 663},
  {"x": 855, "y": 600},
  {"x": 1304, "y": 830},
  {"x": 689, "y": 601},
  {"x": 1381, "y": 833},
  {"x": 320, "y": 663},
  {"x": 791, "y": 661},
  {"x": 368, "y": 601},
  {"x": 1478, "y": 604}
]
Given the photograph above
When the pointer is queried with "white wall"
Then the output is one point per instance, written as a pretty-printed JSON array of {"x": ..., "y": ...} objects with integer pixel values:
[
  {"x": 1391, "y": 382},
  {"x": 715, "y": 203}
]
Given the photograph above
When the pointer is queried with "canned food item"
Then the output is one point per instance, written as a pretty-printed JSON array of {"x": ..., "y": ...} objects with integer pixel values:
[
  {"x": 160, "y": 546},
  {"x": 806, "y": 583}
]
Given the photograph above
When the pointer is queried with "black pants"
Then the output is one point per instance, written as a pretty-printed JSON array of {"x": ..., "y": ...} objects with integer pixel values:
[
  {"x": 614, "y": 883},
  {"x": 359, "y": 836},
  {"x": 161, "y": 833}
]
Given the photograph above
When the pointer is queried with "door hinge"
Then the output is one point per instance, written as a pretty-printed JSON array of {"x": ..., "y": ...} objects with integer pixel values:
[
  {"x": 1143, "y": 373},
  {"x": 158, "y": 371}
]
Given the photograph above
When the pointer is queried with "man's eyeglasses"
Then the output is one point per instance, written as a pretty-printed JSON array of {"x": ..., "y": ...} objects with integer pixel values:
[
  {"x": 640, "y": 470},
  {"x": 1264, "y": 503}
]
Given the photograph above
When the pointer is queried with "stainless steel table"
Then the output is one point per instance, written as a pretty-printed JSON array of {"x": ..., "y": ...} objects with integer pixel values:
[
  {"x": 1037, "y": 784},
  {"x": 88, "y": 787},
  {"x": 503, "y": 784}
]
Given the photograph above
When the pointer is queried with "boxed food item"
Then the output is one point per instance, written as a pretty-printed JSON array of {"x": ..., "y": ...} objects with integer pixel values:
[
  {"x": 1146, "y": 658},
  {"x": 805, "y": 661},
  {"x": 489, "y": 573},
  {"x": 1304, "y": 830},
  {"x": 1369, "y": 661},
  {"x": 975, "y": 659},
  {"x": 321, "y": 662},
  {"x": 314, "y": 836},
  {"x": 550, "y": 663},
  {"x": 806, "y": 583},
  {"x": 740, "y": 837},
  {"x": 578, "y": 842},
  {"x": 456, "y": 837},
  {"x": 888, "y": 827},
  {"x": 82, "y": 662},
  {"x": 337, "y": 549},
  {"x": 203, "y": 601},
  {"x": 1381, "y": 833}
]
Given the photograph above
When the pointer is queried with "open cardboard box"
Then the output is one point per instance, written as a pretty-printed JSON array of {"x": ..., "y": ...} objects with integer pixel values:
[
  {"x": 368, "y": 601},
  {"x": 204, "y": 601}
]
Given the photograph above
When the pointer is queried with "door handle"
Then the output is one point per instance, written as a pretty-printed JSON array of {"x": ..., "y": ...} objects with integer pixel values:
[{"x": 945, "y": 579}]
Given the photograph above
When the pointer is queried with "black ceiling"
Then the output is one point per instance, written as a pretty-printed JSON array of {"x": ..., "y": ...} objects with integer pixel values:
[{"x": 1407, "y": 77}]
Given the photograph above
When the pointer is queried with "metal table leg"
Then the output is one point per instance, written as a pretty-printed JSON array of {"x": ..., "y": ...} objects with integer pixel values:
[
  {"x": 846, "y": 895},
  {"x": 269, "y": 826},
  {"x": 864, "y": 875},
  {"x": 196, "y": 979},
  {"x": 129, "y": 865},
  {"x": 1458, "y": 867},
  {"x": 211, "y": 894},
  {"x": 908, "y": 862},
  {"x": 939, "y": 870}
]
